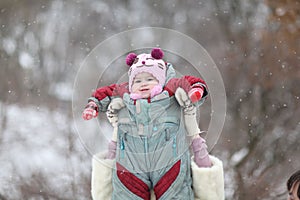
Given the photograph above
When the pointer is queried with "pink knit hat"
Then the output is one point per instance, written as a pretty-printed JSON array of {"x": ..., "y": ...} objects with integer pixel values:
[{"x": 151, "y": 63}]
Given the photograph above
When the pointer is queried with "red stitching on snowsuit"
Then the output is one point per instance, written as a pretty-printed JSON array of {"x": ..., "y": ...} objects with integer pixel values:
[
  {"x": 133, "y": 183},
  {"x": 167, "y": 180}
]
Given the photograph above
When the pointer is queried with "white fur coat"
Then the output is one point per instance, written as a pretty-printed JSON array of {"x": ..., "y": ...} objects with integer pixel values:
[{"x": 208, "y": 183}]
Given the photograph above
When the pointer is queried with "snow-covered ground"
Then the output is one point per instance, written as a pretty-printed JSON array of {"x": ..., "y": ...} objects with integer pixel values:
[{"x": 40, "y": 152}]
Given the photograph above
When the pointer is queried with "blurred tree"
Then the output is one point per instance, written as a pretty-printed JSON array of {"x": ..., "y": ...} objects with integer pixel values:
[
  {"x": 257, "y": 46},
  {"x": 262, "y": 78}
]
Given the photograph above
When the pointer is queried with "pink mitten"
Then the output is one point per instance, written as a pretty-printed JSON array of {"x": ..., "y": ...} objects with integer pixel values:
[
  {"x": 112, "y": 146},
  {"x": 90, "y": 111},
  {"x": 201, "y": 157},
  {"x": 195, "y": 94}
]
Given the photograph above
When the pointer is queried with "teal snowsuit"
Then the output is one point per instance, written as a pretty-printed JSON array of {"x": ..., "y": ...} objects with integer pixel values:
[{"x": 153, "y": 151}]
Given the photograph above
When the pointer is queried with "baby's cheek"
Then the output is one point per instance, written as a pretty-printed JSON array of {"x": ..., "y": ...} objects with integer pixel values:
[{"x": 134, "y": 88}]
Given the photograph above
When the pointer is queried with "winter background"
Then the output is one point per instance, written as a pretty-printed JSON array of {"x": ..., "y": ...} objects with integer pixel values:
[{"x": 255, "y": 44}]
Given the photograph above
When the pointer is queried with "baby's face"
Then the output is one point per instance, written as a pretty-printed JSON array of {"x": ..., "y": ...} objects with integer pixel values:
[{"x": 143, "y": 83}]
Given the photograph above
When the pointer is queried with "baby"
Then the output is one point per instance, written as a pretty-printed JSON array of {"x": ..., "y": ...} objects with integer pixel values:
[
  {"x": 153, "y": 147},
  {"x": 132, "y": 60}
]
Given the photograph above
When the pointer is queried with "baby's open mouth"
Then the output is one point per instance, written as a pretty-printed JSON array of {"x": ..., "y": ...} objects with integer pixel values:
[{"x": 143, "y": 90}]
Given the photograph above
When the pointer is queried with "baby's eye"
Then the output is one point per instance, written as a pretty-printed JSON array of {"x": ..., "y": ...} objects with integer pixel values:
[
  {"x": 150, "y": 79},
  {"x": 137, "y": 81}
]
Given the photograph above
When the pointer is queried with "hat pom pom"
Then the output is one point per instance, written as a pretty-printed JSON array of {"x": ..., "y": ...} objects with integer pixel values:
[
  {"x": 130, "y": 58},
  {"x": 157, "y": 53}
]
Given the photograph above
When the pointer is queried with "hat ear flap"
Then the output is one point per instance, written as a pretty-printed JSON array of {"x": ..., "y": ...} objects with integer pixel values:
[
  {"x": 130, "y": 58},
  {"x": 157, "y": 53}
]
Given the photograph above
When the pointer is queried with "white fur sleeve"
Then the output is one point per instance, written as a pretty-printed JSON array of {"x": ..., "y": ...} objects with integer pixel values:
[
  {"x": 101, "y": 177},
  {"x": 208, "y": 183}
]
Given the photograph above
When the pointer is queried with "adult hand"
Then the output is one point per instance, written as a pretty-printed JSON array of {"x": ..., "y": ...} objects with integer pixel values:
[
  {"x": 189, "y": 112},
  {"x": 112, "y": 110}
]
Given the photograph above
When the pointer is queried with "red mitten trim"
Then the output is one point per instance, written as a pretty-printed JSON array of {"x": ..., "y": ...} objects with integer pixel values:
[{"x": 195, "y": 94}]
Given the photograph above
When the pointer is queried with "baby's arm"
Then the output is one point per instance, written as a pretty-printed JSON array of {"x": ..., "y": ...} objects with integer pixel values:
[
  {"x": 101, "y": 98},
  {"x": 195, "y": 88},
  {"x": 189, "y": 90}
]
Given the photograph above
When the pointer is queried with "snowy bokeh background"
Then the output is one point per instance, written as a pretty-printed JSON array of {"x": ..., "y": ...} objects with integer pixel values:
[{"x": 255, "y": 44}]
